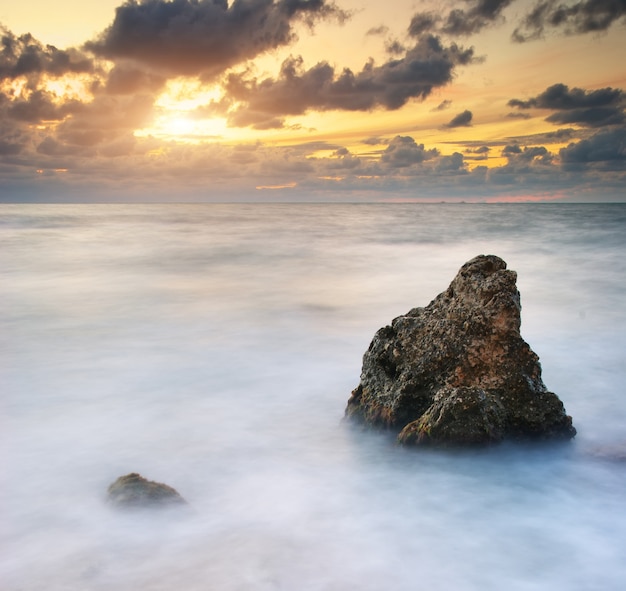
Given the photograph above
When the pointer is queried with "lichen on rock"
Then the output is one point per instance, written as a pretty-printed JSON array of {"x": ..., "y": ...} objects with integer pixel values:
[
  {"x": 135, "y": 491},
  {"x": 458, "y": 371}
]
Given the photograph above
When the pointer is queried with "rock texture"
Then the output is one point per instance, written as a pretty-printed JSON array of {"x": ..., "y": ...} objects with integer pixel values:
[
  {"x": 458, "y": 372},
  {"x": 134, "y": 491}
]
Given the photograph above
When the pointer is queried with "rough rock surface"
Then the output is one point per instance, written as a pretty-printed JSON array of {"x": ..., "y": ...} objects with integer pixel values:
[
  {"x": 134, "y": 491},
  {"x": 458, "y": 372}
]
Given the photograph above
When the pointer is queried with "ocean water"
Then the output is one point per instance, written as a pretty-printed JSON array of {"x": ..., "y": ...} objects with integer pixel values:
[{"x": 214, "y": 347}]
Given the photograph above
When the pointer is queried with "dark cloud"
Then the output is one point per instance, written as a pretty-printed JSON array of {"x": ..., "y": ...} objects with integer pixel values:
[
  {"x": 25, "y": 56},
  {"x": 459, "y": 22},
  {"x": 550, "y": 137},
  {"x": 343, "y": 160},
  {"x": 450, "y": 164},
  {"x": 479, "y": 153},
  {"x": 570, "y": 18},
  {"x": 559, "y": 96},
  {"x": 404, "y": 151},
  {"x": 426, "y": 66},
  {"x": 528, "y": 167},
  {"x": 521, "y": 158},
  {"x": 424, "y": 23},
  {"x": 125, "y": 79},
  {"x": 511, "y": 149},
  {"x": 380, "y": 30},
  {"x": 204, "y": 37},
  {"x": 12, "y": 138},
  {"x": 463, "y": 119},
  {"x": 606, "y": 148},
  {"x": 375, "y": 141},
  {"x": 518, "y": 116},
  {"x": 52, "y": 147},
  {"x": 39, "y": 106},
  {"x": 596, "y": 108},
  {"x": 443, "y": 105},
  {"x": 482, "y": 14},
  {"x": 593, "y": 117},
  {"x": 394, "y": 47}
]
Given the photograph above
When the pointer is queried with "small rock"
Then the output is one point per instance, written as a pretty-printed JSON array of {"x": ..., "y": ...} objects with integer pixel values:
[
  {"x": 134, "y": 491},
  {"x": 458, "y": 372}
]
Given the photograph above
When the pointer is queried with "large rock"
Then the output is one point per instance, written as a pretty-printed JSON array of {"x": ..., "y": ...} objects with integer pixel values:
[
  {"x": 458, "y": 371},
  {"x": 134, "y": 491}
]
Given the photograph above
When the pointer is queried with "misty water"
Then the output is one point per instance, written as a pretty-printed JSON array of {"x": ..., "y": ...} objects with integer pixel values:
[{"x": 214, "y": 347}]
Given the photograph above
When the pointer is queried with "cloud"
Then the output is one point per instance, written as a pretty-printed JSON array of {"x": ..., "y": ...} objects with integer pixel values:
[
  {"x": 596, "y": 108},
  {"x": 375, "y": 141},
  {"x": 424, "y": 23},
  {"x": 530, "y": 167},
  {"x": 459, "y": 22},
  {"x": 443, "y": 105},
  {"x": 127, "y": 79},
  {"x": 204, "y": 37},
  {"x": 606, "y": 148},
  {"x": 559, "y": 96},
  {"x": 13, "y": 139},
  {"x": 40, "y": 105},
  {"x": 479, "y": 153},
  {"x": 380, "y": 30},
  {"x": 463, "y": 119},
  {"x": 593, "y": 117},
  {"x": 550, "y": 137},
  {"x": 25, "y": 56},
  {"x": 394, "y": 47},
  {"x": 83, "y": 113},
  {"x": 532, "y": 154},
  {"x": 425, "y": 66},
  {"x": 570, "y": 18},
  {"x": 404, "y": 151}
]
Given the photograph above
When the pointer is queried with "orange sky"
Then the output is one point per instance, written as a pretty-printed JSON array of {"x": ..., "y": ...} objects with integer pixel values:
[{"x": 312, "y": 100}]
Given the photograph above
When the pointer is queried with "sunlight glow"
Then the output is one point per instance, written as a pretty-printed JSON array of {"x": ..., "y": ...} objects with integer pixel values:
[
  {"x": 275, "y": 187},
  {"x": 184, "y": 113},
  {"x": 68, "y": 87},
  {"x": 186, "y": 94},
  {"x": 179, "y": 126}
]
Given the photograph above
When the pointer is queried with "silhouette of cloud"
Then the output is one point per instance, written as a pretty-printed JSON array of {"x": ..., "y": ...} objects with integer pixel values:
[
  {"x": 559, "y": 96},
  {"x": 570, "y": 18},
  {"x": 443, "y": 105},
  {"x": 204, "y": 37},
  {"x": 606, "y": 148},
  {"x": 463, "y": 119},
  {"x": 24, "y": 55},
  {"x": 596, "y": 108},
  {"x": 426, "y": 66},
  {"x": 404, "y": 151},
  {"x": 459, "y": 21}
]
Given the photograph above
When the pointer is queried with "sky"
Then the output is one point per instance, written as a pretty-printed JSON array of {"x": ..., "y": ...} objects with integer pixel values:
[{"x": 313, "y": 100}]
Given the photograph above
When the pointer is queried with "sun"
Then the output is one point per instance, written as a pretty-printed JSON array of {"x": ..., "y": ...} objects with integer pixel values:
[
  {"x": 178, "y": 114},
  {"x": 182, "y": 126}
]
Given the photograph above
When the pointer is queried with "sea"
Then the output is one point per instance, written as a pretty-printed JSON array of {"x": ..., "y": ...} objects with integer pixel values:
[{"x": 214, "y": 347}]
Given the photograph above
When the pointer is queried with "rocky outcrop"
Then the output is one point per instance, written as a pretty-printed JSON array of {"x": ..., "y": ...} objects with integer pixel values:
[
  {"x": 458, "y": 372},
  {"x": 134, "y": 491}
]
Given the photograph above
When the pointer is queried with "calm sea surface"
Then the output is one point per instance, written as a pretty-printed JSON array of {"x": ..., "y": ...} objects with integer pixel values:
[{"x": 214, "y": 347}]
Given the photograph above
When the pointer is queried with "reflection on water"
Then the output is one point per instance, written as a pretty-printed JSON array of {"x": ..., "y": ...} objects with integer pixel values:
[{"x": 214, "y": 348}]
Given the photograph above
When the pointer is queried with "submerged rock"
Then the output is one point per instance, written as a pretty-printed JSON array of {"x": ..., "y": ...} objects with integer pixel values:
[
  {"x": 458, "y": 371},
  {"x": 134, "y": 491}
]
